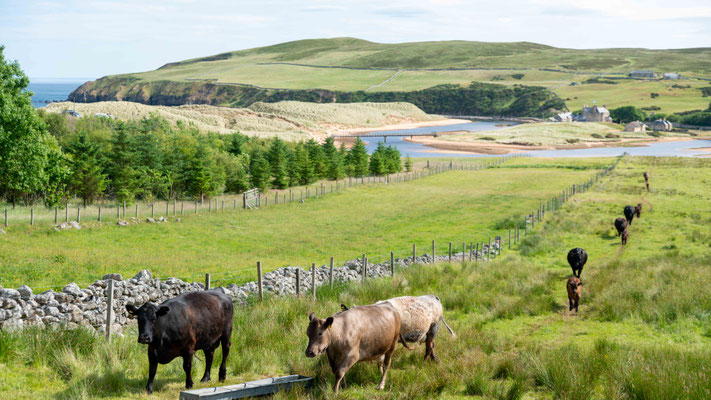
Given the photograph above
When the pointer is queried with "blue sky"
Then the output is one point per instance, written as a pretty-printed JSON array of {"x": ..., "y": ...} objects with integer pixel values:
[{"x": 88, "y": 39}]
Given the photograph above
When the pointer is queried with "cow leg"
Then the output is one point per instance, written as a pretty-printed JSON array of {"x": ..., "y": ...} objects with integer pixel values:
[
  {"x": 209, "y": 356},
  {"x": 152, "y": 368},
  {"x": 386, "y": 366},
  {"x": 226, "y": 344},
  {"x": 576, "y": 306},
  {"x": 429, "y": 342},
  {"x": 188, "y": 368},
  {"x": 570, "y": 304},
  {"x": 341, "y": 370}
]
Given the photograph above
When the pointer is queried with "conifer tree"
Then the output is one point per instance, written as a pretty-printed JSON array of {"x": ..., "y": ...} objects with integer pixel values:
[
  {"x": 259, "y": 171},
  {"x": 357, "y": 159},
  {"x": 408, "y": 163},
  {"x": 277, "y": 156},
  {"x": 87, "y": 180}
]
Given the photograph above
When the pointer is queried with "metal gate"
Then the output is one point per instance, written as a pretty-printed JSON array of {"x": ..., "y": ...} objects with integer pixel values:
[{"x": 251, "y": 198}]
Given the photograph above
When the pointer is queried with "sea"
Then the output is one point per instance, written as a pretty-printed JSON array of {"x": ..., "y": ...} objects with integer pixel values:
[{"x": 45, "y": 92}]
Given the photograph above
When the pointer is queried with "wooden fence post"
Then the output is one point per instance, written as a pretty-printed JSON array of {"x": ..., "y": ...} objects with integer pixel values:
[
  {"x": 196, "y": 208},
  {"x": 450, "y": 252},
  {"x": 433, "y": 251},
  {"x": 365, "y": 267},
  {"x": 471, "y": 251},
  {"x": 99, "y": 212},
  {"x": 313, "y": 281},
  {"x": 392, "y": 265},
  {"x": 259, "y": 280},
  {"x": 167, "y": 209},
  {"x": 488, "y": 250},
  {"x": 78, "y": 214},
  {"x": 182, "y": 207},
  {"x": 330, "y": 274},
  {"x": 118, "y": 212},
  {"x": 5, "y": 217},
  {"x": 464, "y": 250},
  {"x": 124, "y": 209},
  {"x": 109, "y": 308},
  {"x": 414, "y": 252},
  {"x": 153, "y": 210},
  {"x": 32, "y": 215},
  {"x": 207, "y": 281},
  {"x": 298, "y": 282},
  {"x": 509, "y": 239},
  {"x": 56, "y": 213}
]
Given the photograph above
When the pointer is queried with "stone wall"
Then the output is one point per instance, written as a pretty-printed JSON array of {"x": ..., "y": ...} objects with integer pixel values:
[{"x": 74, "y": 306}]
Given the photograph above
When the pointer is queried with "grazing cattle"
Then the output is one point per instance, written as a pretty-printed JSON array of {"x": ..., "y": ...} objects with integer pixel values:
[
  {"x": 620, "y": 225},
  {"x": 574, "y": 287},
  {"x": 180, "y": 326},
  {"x": 420, "y": 318},
  {"x": 638, "y": 210},
  {"x": 629, "y": 214},
  {"x": 364, "y": 333},
  {"x": 577, "y": 258},
  {"x": 646, "y": 180},
  {"x": 625, "y": 236}
]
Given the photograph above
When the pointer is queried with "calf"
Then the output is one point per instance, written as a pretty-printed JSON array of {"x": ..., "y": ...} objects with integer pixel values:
[
  {"x": 182, "y": 325},
  {"x": 420, "y": 318},
  {"x": 638, "y": 210},
  {"x": 573, "y": 286},
  {"x": 620, "y": 225},
  {"x": 362, "y": 333},
  {"x": 625, "y": 236},
  {"x": 629, "y": 214},
  {"x": 646, "y": 179},
  {"x": 577, "y": 258}
]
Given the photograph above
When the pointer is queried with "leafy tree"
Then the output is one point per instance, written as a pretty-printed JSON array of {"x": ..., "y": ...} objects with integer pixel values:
[
  {"x": 378, "y": 161},
  {"x": 236, "y": 180},
  {"x": 58, "y": 172},
  {"x": 277, "y": 157},
  {"x": 393, "y": 160},
  {"x": 259, "y": 171},
  {"x": 87, "y": 179},
  {"x": 357, "y": 159},
  {"x": 24, "y": 141},
  {"x": 627, "y": 114},
  {"x": 56, "y": 124},
  {"x": 408, "y": 163}
]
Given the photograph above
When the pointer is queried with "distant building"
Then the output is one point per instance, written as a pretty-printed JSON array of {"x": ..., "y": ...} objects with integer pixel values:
[
  {"x": 563, "y": 117},
  {"x": 596, "y": 114},
  {"x": 635, "y": 126},
  {"x": 644, "y": 73},
  {"x": 671, "y": 75},
  {"x": 661, "y": 125}
]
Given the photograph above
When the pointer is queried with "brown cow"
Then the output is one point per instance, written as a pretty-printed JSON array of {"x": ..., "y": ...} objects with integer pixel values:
[
  {"x": 573, "y": 286},
  {"x": 625, "y": 236},
  {"x": 638, "y": 210},
  {"x": 420, "y": 318},
  {"x": 646, "y": 179},
  {"x": 362, "y": 333}
]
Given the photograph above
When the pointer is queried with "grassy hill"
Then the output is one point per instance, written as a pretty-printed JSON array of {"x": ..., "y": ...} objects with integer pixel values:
[{"x": 324, "y": 70}]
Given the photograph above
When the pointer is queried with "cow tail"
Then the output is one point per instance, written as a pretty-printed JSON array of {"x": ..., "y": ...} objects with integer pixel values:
[
  {"x": 404, "y": 344},
  {"x": 448, "y": 328}
]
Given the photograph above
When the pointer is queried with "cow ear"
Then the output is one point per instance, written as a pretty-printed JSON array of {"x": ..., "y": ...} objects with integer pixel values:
[
  {"x": 344, "y": 307},
  {"x": 162, "y": 311},
  {"x": 312, "y": 316},
  {"x": 131, "y": 309},
  {"x": 328, "y": 323}
]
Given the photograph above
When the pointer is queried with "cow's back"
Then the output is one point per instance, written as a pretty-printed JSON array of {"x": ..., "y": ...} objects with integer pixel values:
[
  {"x": 417, "y": 315},
  {"x": 197, "y": 319}
]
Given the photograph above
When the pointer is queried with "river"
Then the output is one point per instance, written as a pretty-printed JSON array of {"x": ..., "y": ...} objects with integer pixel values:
[{"x": 678, "y": 148}]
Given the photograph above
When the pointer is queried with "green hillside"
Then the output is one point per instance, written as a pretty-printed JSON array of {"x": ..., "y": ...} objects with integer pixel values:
[{"x": 348, "y": 65}]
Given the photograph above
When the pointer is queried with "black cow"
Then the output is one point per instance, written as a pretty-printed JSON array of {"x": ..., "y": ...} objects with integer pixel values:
[
  {"x": 620, "y": 225},
  {"x": 577, "y": 258},
  {"x": 629, "y": 214},
  {"x": 646, "y": 180},
  {"x": 180, "y": 326},
  {"x": 638, "y": 210}
]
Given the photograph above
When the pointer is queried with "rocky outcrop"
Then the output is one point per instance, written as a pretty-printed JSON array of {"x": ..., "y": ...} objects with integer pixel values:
[{"x": 73, "y": 306}]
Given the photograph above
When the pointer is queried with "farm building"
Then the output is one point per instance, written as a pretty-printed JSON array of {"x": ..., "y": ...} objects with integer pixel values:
[
  {"x": 635, "y": 126},
  {"x": 596, "y": 114},
  {"x": 671, "y": 75},
  {"x": 661, "y": 125},
  {"x": 644, "y": 73},
  {"x": 563, "y": 117}
]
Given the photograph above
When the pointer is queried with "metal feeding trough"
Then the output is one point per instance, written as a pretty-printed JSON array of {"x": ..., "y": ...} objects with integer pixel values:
[{"x": 247, "y": 389}]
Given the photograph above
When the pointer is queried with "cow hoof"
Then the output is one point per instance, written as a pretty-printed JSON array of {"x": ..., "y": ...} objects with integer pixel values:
[
  {"x": 380, "y": 387},
  {"x": 206, "y": 379}
]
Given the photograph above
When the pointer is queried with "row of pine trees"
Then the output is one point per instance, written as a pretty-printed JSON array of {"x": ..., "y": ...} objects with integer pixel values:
[{"x": 151, "y": 159}]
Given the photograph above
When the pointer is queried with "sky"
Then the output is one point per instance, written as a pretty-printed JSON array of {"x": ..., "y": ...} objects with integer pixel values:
[{"x": 87, "y": 39}]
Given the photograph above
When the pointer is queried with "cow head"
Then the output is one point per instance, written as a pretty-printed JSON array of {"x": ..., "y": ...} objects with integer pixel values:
[
  {"x": 318, "y": 333},
  {"x": 147, "y": 315}
]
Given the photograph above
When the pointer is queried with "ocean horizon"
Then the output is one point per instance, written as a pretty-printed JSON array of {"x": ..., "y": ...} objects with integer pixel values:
[{"x": 45, "y": 91}]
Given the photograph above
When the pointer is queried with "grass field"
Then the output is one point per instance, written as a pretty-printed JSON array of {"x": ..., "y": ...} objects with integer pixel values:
[
  {"x": 290, "y": 120},
  {"x": 643, "y": 330},
  {"x": 374, "y": 220}
]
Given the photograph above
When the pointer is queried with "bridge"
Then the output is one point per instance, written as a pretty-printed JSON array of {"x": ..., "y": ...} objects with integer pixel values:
[{"x": 385, "y": 136}]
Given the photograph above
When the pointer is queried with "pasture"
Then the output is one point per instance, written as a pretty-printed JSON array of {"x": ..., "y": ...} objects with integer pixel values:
[
  {"x": 372, "y": 219},
  {"x": 643, "y": 330}
]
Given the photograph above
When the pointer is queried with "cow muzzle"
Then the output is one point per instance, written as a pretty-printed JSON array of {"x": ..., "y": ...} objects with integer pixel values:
[
  {"x": 144, "y": 339},
  {"x": 310, "y": 353}
]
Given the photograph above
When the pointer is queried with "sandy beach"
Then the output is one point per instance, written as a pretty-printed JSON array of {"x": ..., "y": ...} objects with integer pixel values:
[{"x": 500, "y": 148}]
